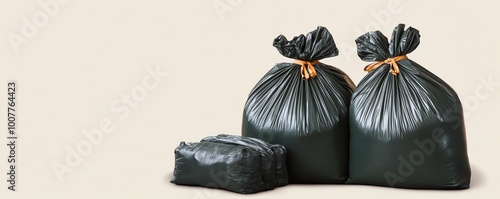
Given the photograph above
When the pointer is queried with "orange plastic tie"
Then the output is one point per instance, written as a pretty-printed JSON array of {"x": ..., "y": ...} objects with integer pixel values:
[
  {"x": 392, "y": 64},
  {"x": 307, "y": 68}
]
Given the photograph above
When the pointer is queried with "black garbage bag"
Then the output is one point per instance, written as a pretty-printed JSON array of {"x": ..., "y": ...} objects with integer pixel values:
[
  {"x": 235, "y": 163},
  {"x": 407, "y": 126},
  {"x": 273, "y": 157},
  {"x": 281, "y": 169},
  {"x": 304, "y": 107}
]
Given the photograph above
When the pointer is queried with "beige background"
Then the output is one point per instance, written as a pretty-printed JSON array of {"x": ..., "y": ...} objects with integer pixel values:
[{"x": 86, "y": 55}]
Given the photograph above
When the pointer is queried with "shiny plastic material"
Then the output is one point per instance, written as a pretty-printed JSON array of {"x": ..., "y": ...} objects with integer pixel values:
[
  {"x": 273, "y": 157},
  {"x": 407, "y": 130},
  {"x": 307, "y": 116},
  {"x": 235, "y": 163}
]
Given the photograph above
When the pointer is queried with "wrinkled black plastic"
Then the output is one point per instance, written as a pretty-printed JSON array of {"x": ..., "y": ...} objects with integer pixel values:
[
  {"x": 308, "y": 117},
  {"x": 235, "y": 163},
  {"x": 273, "y": 157},
  {"x": 407, "y": 130}
]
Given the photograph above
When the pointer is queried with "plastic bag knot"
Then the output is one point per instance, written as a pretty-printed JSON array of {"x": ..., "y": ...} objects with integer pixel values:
[
  {"x": 307, "y": 69},
  {"x": 392, "y": 63}
]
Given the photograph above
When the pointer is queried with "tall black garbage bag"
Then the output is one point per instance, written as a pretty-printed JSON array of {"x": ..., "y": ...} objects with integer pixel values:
[
  {"x": 407, "y": 126},
  {"x": 304, "y": 107}
]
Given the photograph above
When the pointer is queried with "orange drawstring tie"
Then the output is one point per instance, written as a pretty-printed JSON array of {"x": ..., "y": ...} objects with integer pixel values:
[
  {"x": 307, "y": 69},
  {"x": 392, "y": 64}
]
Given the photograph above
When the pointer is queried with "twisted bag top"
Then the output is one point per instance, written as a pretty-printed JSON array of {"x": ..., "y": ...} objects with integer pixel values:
[
  {"x": 373, "y": 46},
  {"x": 308, "y": 50}
]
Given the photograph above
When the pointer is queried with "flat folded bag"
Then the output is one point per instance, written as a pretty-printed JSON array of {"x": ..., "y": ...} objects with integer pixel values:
[
  {"x": 407, "y": 125},
  {"x": 235, "y": 163},
  {"x": 304, "y": 107}
]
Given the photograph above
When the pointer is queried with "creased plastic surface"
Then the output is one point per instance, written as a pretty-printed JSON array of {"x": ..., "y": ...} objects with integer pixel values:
[
  {"x": 281, "y": 169},
  {"x": 225, "y": 166},
  {"x": 308, "y": 117},
  {"x": 273, "y": 160},
  {"x": 316, "y": 45},
  {"x": 231, "y": 162},
  {"x": 407, "y": 130}
]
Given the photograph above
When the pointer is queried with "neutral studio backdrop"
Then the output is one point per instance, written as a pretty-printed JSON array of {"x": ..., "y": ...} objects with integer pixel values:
[{"x": 141, "y": 76}]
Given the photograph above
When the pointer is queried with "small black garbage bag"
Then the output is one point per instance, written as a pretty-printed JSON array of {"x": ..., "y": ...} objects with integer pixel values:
[
  {"x": 407, "y": 126},
  {"x": 273, "y": 157},
  {"x": 304, "y": 107},
  {"x": 235, "y": 163}
]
